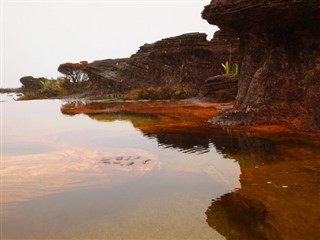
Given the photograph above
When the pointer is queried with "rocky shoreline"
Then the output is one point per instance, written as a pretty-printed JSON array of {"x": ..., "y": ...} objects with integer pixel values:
[
  {"x": 172, "y": 68},
  {"x": 11, "y": 90},
  {"x": 277, "y": 58}
]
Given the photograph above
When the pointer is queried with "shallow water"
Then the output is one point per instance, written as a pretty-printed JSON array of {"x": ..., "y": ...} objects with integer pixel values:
[{"x": 123, "y": 175}]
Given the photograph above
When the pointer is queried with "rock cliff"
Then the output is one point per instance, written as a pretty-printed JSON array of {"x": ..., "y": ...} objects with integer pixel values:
[
  {"x": 279, "y": 54},
  {"x": 188, "y": 59}
]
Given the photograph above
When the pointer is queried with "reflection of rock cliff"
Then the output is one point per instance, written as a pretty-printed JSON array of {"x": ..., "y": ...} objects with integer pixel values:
[
  {"x": 181, "y": 125},
  {"x": 279, "y": 60},
  {"x": 187, "y": 59},
  {"x": 279, "y": 195},
  {"x": 228, "y": 143},
  {"x": 278, "y": 198}
]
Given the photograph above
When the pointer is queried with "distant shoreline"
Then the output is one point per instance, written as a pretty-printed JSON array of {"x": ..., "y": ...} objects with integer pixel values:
[{"x": 11, "y": 90}]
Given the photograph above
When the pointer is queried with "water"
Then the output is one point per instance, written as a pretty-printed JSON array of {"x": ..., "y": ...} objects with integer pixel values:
[{"x": 115, "y": 173}]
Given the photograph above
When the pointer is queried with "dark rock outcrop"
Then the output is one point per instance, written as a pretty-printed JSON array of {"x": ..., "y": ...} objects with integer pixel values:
[
  {"x": 279, "y": 51},
  {"x": 188, "y": 59},
  {"x": 221, "y": 88},
  {"x": 30, "y": 83}
]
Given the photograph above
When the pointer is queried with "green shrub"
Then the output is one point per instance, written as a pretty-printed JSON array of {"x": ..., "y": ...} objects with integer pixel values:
[{"x": 177, "y": 91}]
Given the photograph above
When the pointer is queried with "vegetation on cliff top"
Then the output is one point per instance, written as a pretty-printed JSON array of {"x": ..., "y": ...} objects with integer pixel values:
[{"x": 75, "y": 80}]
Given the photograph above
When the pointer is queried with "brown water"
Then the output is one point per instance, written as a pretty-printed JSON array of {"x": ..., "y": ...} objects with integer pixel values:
[{"x": 116, "y": 173}]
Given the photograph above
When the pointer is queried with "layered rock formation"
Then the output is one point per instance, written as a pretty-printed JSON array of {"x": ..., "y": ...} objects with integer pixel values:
[
  {"x": 279, "y": 80},
  {"x": 188, "y": 59},
  {"x": 221, "y": 88}
]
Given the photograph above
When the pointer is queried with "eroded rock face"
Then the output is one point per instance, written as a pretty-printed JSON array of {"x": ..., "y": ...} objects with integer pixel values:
[
  {"x": 30, "y": 83},
  {"x": 279, "y": 80},
  {"x": 221, "y": 88},
  {"x": 188, "y": 59}
]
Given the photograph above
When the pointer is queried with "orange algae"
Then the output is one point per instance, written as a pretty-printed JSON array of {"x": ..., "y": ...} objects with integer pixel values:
[{"x": 174, "y": 115}]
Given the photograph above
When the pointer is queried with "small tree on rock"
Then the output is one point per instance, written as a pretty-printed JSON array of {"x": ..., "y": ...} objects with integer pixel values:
[{"x": 75, "y": 72}]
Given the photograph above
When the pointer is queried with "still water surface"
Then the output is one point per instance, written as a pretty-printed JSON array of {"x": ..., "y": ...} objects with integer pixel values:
[{"x": 101, "y": 176}]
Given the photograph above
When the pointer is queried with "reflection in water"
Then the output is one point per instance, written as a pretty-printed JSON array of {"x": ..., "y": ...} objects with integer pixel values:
[
  {"x": 279, "y": 196},
  {"x": 188, "y": 142},
  {"x": 37, "y": 175},
  {"x": 280, "y": 176},
  {"x": 103, "y": 179},
  {"x": 137, "y": 119}
]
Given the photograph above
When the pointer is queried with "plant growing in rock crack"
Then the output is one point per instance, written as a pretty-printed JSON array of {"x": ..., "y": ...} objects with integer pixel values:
[{"x": 230, "y": 68}]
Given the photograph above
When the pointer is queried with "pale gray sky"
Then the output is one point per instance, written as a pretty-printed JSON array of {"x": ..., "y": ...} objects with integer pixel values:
[{"x": 39, "y": 35}]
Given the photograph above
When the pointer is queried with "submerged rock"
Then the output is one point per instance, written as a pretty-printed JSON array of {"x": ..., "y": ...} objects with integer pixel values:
[{"x": 279, "y": 80}]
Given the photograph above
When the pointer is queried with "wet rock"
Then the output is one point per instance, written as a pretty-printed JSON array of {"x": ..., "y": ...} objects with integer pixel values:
[
  {"x": 145, "y": 161},
  {"x": 124, "y": 161},
  {"x": 279, "y": 80}
]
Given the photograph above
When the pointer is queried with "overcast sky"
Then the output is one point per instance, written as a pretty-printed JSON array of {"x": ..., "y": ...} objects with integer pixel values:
[{"x": 39, "y": 35}]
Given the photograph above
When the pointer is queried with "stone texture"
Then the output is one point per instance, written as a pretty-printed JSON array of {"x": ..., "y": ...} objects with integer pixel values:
[
  {"x": 279, "y": 80},
  {"x": 30, "y": 83},
  {"x": 221, "y": 88},
  {"x": 188, "y": 59}
]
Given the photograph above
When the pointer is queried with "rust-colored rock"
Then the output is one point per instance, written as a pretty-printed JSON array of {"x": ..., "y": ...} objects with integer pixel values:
[
  {"x": 279, "y": 80},
  {"x": 188, "y": 59}
]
